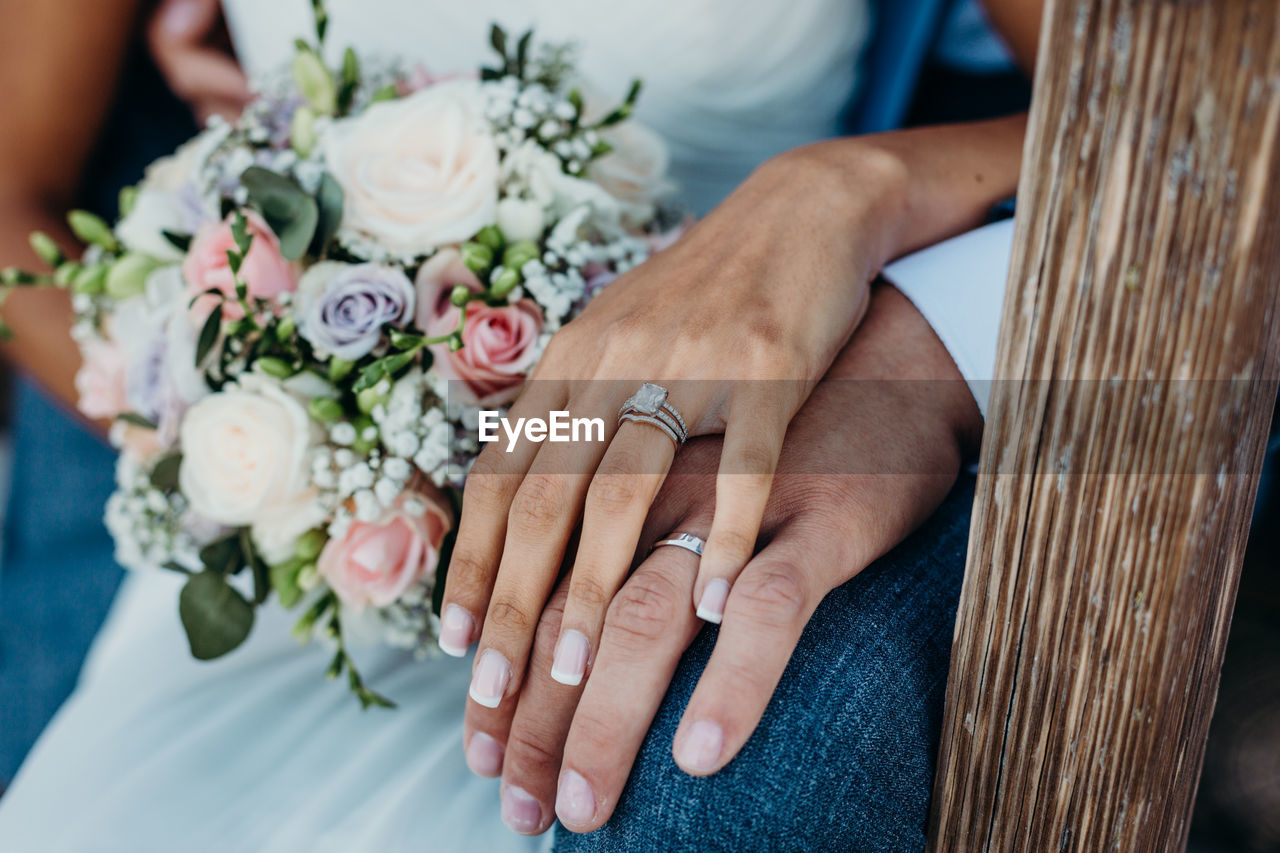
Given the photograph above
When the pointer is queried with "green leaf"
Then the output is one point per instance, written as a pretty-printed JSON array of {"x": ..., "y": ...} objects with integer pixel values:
[
  {"x": 240, "y": 233},
  {"x": 329, "y": 204},
  {"x": 216, "y": 617},
  {"x": 182, "y": 242},
  {"x": 261, "y": 582},
  {"x": 164, "y": 476},
  {"x": 223, "y": 556},
  {"x": 350, "y": 80},
  {"x": 522, "y": 53},
  {"x": 288, "y": 210},
  {"x": 498, "y": 38},
  {"x": 208, "y": 335},
  {"x": 135, "y": 419}
]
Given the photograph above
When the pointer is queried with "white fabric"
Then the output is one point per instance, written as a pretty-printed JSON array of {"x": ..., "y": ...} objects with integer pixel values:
[{"x": 958, "y": 286}]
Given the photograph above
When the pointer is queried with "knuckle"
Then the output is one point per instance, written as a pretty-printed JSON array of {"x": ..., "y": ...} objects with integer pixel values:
[
  {"x": 755, "y": 463},
  {"x": 538, "y": 503},
  {"x": 510, "y": 613},
  {"x": 612, "y": 492},
  {"x": 467, "y": 575},
  {"x": 487, "y": 484},
  {"x": 587, "y": 591},
  {"x": 645, "y": 609},
  {"x": 772, "y": 596},
  {"x": 735, "y": 542},
  {"x": 527, "y": 749}
]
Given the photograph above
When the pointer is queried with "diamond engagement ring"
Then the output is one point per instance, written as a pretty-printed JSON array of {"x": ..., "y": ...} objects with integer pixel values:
[
  {"x": 687, "y": 541},
  {"x": 649, "y": 406}
]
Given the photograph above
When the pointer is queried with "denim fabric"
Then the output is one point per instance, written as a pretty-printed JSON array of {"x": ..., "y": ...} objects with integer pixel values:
[{"x": 844, "y": 757}]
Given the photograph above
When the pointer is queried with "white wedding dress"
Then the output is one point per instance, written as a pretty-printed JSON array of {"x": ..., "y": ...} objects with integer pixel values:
[{"x": 258, "y": 752}]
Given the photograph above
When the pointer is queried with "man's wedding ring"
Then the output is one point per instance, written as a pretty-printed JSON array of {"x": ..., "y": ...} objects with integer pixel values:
[
  {"x": 649, "y": 406},
  {"x": 687, "y": 541}
]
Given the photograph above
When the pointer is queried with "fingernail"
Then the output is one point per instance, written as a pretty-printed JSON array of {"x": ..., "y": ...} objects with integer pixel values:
[
  {"x": 571, "y": 658},
  {"x": 520, "y": 811},
  {"x": 456, "y": 625},
  {"x": 575, "y": 801},
  {"x": 181, "y": 17},
  {"x": 714, "y": 596},
  {"x": 489, "y": 681},
  {"x": 484, "y": 755},
  {"x": 699, "y": 750}
]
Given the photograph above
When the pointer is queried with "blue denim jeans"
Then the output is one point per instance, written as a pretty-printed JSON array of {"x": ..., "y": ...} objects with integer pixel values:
[{"x": 844, "y": 757}]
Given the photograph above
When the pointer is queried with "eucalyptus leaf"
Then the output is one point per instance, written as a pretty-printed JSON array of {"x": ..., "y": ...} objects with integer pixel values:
[
  {"x": 208, "y": 335},
  {"x": 164, "y": 476},
  {"x": 223, "y": 556},
  {"x": 290, "y": 212},
  {"x": 216, "y": 617},
  {"x": 329, "y": 203}
]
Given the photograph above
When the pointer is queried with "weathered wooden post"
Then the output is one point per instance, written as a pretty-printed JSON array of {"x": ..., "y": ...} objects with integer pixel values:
[{"x": 1140, "y": 347}]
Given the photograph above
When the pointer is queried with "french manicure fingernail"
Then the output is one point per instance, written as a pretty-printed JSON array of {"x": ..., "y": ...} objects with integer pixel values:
[
  {"x": 489, "y": 681},
  {"x": 575, "y": 801},
  {"x": 456, "y": 625},
  {"x": 714, "y": 596},
  {"x": 520, "y": 811},
  {"x": 484, "y": 755},
  {"x": 699, "y": 750},
  {"x": 571, "y": 658}
]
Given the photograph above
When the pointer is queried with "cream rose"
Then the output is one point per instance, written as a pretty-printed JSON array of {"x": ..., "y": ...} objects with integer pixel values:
[
  {"x": 418, "y": 172},
  {"x": 634, "y": 171},
  {"x": 244, "y": 454}
]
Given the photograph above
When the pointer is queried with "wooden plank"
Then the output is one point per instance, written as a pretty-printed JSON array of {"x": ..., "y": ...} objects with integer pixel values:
[{"x": 1139, "y": 355}]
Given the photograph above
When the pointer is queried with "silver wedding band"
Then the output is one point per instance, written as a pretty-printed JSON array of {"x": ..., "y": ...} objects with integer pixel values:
[
  {"x": 687, "y": 541},
  {"x": 649, "y": 406}
]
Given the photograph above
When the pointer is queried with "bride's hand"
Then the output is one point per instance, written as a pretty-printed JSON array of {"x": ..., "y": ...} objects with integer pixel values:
[
  {"x": 190, "y": 46},
  {"x": 870, "y": 455},
  {"x": 739, "y": 319}
]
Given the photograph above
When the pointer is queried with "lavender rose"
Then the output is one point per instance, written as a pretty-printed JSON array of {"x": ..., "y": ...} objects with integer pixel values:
[{"x": 347, "y": 306}]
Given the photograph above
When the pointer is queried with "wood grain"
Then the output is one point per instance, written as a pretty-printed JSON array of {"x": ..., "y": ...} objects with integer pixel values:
[{"x": 1138, "y": 363}]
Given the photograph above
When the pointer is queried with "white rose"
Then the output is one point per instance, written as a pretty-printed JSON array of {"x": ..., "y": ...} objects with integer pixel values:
[
  {"x": 634, "y": 171},
  {"x": 418, "y": 172},
  {"x": 168, "y": 200},
  {"x": 244, "y": 453}
]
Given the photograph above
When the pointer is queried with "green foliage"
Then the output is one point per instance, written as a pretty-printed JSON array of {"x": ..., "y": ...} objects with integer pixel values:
[
  {"x": 164, "y": 476},
  {"x": 216, "y": 617},
  {"x": 290, "y": 212}
]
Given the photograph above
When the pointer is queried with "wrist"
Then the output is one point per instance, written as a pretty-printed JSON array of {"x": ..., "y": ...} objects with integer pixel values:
[{"x": 854, "y": 191}]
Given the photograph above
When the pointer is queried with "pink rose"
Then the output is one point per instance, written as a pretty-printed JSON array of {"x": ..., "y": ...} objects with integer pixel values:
[
  {"x": 436, "y": 280},
  {"x": 498, "y": 350},
  {"x": 376, "y": 562},
  {"x": 265, "y": 271},
  {"x": 100, "y": 381}
]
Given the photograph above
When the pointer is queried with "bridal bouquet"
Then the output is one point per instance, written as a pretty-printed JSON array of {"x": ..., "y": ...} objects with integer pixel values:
[{"x": 299, "y": 316}]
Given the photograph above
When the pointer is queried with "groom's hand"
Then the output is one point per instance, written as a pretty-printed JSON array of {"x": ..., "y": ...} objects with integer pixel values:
[{"x": 868, "y": 458}]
